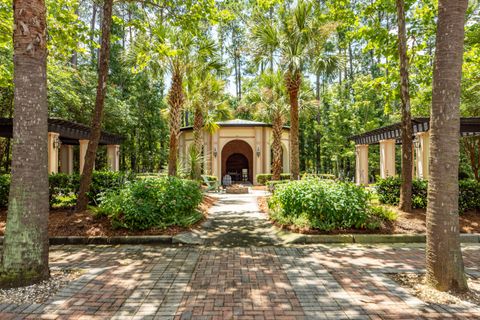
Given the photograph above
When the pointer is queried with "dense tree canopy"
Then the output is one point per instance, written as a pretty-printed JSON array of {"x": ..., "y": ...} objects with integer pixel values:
[{"x": 350, "y": 74}]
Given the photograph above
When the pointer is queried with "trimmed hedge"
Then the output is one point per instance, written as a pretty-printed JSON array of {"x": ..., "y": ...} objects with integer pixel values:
[
  {"x": 263, "y": 178},
  {"x": 321, "y": 204},
  {"x": 153, "y": 202},
  {"x": 389, "y": 193},
  {"x": 63, "y": 187}
]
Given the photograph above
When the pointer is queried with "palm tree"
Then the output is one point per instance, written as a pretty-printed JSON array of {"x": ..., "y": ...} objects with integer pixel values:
[
  {"x": 272, "y": 106},
  {"x": 168, "y": 48},
  {"x": 444, "y": 261},
  {"x": 25, "y": 247},
  {"x": 296, "y": 40}
]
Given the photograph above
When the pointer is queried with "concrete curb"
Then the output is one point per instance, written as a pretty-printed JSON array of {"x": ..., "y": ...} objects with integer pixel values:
[
  {"x": 365, "y": 238},
  {"x": 109, "y": 240}
]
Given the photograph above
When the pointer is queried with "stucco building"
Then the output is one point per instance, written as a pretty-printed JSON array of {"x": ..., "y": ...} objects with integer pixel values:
[{"x": 239, "y": 148}]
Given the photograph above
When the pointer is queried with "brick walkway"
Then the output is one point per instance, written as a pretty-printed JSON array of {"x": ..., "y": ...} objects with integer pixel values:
[{"x": 311, "y": 282}]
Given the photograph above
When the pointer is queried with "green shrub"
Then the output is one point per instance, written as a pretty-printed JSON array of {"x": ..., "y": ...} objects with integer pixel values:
[
  {"x": 388, "y": 191},
  {"x": 320, "y": 204},
  {"x": 469, "y": 195},
  {"x": 272, "y": 184},
  {"x": 324, "y": 176},
  {"x": 63, "y": 187},
  {"x": 4, "y": 189},
  {"x": 263, "y": 178},
  {"x": 154, "y": 202}
]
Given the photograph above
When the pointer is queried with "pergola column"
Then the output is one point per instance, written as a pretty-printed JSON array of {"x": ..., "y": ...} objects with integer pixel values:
[
  {"x": 422, "y": 148},
  {"x": 53, "y": 146},
  {"x": 83, "y": 153},
  {"x": 66, "y": 159},
  {"x": 361, "y": 164},
  {"x": 387, "y": 158},
  {"x": 113, "y": 157}
]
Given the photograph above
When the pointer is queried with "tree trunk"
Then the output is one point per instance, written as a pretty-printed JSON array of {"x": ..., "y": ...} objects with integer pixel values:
[
  {"x": 277, "y": 147},
  {"x": 444, "y": 261},
  {"x": 175, "y": 101},
  {"x": 25, "y": 247},
  {"x": 293, "y": 82},
  {"x": 407, "y": 152},
  {"x": 96, "y": 130},
  {"x": 197, "y": 140},
  {"x": 92, "y": 32}
]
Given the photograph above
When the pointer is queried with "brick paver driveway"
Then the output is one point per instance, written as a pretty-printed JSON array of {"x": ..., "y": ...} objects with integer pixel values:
[{"x": 250, "y": 282}]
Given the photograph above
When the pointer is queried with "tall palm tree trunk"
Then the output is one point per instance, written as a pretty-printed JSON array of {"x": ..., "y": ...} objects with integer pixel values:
[
  {"x": 175, "y": 100},
  {"x": 293, "y": 82},
  {"x": 277, "y": 147},
  {"x": 407, "y": 152},
  {"x": 96, "y": 130},
  {"x": 25, "y": 248},
  {"x": 197, "y": 141},
  {"x": 444, "y": 261}
]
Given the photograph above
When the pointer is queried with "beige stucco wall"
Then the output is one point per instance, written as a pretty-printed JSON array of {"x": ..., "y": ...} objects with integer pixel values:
[{"x": 258, "y": 138}]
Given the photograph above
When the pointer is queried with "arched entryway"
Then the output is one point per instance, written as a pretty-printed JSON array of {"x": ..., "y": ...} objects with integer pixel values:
[{"x": 237, "y": 155}]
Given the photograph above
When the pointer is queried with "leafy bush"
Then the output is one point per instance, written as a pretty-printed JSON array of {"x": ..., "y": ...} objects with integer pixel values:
[
  {"x": 319, "y": 175},
  {"x": 321, "y": 204},
  {"x": 389, "y": 193},
  {"x": 4, "y": 189},
  {"x": 263, "y": 178},
  {"x": 63, "y": 187},
  {"x": 469, "y": 195},
  {"x": 272, "y": 184},
  {"x": 154, "y": 202}
]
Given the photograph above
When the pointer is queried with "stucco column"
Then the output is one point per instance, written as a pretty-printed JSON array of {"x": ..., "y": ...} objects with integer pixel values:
[
  {"x": 53, "y": 146},
  {"x": 257, "y": 154},
  {"x": 113, "y": 157},
  {"x": 387, "y": 158},
  {"x": 422, "y": 148},
  {"x": 66, "y": 159},
  {"x": 83, "y": 153},
  {"x": 361, "y": 164}
]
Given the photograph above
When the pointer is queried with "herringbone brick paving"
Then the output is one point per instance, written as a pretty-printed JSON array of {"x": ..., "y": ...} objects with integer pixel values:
[{"x": 313, "y": 282}]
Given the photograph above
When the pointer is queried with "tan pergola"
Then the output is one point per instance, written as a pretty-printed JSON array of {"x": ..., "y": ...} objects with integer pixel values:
[
  {"x": 389, "y": 136},
  {"x": 62, "y": 136}
]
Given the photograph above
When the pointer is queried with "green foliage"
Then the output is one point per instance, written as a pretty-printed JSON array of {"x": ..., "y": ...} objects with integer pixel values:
[
  {"x": 63, "y": 187},
  {"x": 4, "y": 189},
  {"x": 154, "y": 202},
  {"x": 388, "y": 191},
  {"x": 264, "y": 177},
  {"x": 321, "y": 204},
  {"x": 272, "y": 184}
]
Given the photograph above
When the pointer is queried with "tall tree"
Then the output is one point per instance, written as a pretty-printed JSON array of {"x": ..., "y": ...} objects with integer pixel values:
[
  {"x": 444, "y": 261},
  {"x": 296, "y": 39},
  {"x": 25, "y": 248},
  {"x": 96, "y": 129},
  {"x": 407, "y": 132}
]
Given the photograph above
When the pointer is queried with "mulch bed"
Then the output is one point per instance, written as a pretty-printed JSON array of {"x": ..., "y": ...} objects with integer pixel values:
[
  {"x": 406, "y": 223},
  {"x": 416, "y": 285},
  {"x": 64, "y": 223}
]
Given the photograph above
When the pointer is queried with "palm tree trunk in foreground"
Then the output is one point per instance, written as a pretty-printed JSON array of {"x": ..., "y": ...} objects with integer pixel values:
[
  {"x": 277, "y": 147},
  {"x": 25, "y": 248},
  {"x": 104, "y": 58},
  {"x": 175, "y": 100},
  {"x": 444, "y": 261},
  {"x": 407, "y": 153},
  {"x": 293, "y": 82}
]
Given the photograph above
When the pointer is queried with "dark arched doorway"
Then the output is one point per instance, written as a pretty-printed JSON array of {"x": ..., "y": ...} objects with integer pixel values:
[
  {"x": 236, "y": 165},
  {"x": 237, "y": 155}
]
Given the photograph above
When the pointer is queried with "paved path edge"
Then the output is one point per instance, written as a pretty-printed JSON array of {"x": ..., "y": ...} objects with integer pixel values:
[{"x": 287, "y": 238}]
